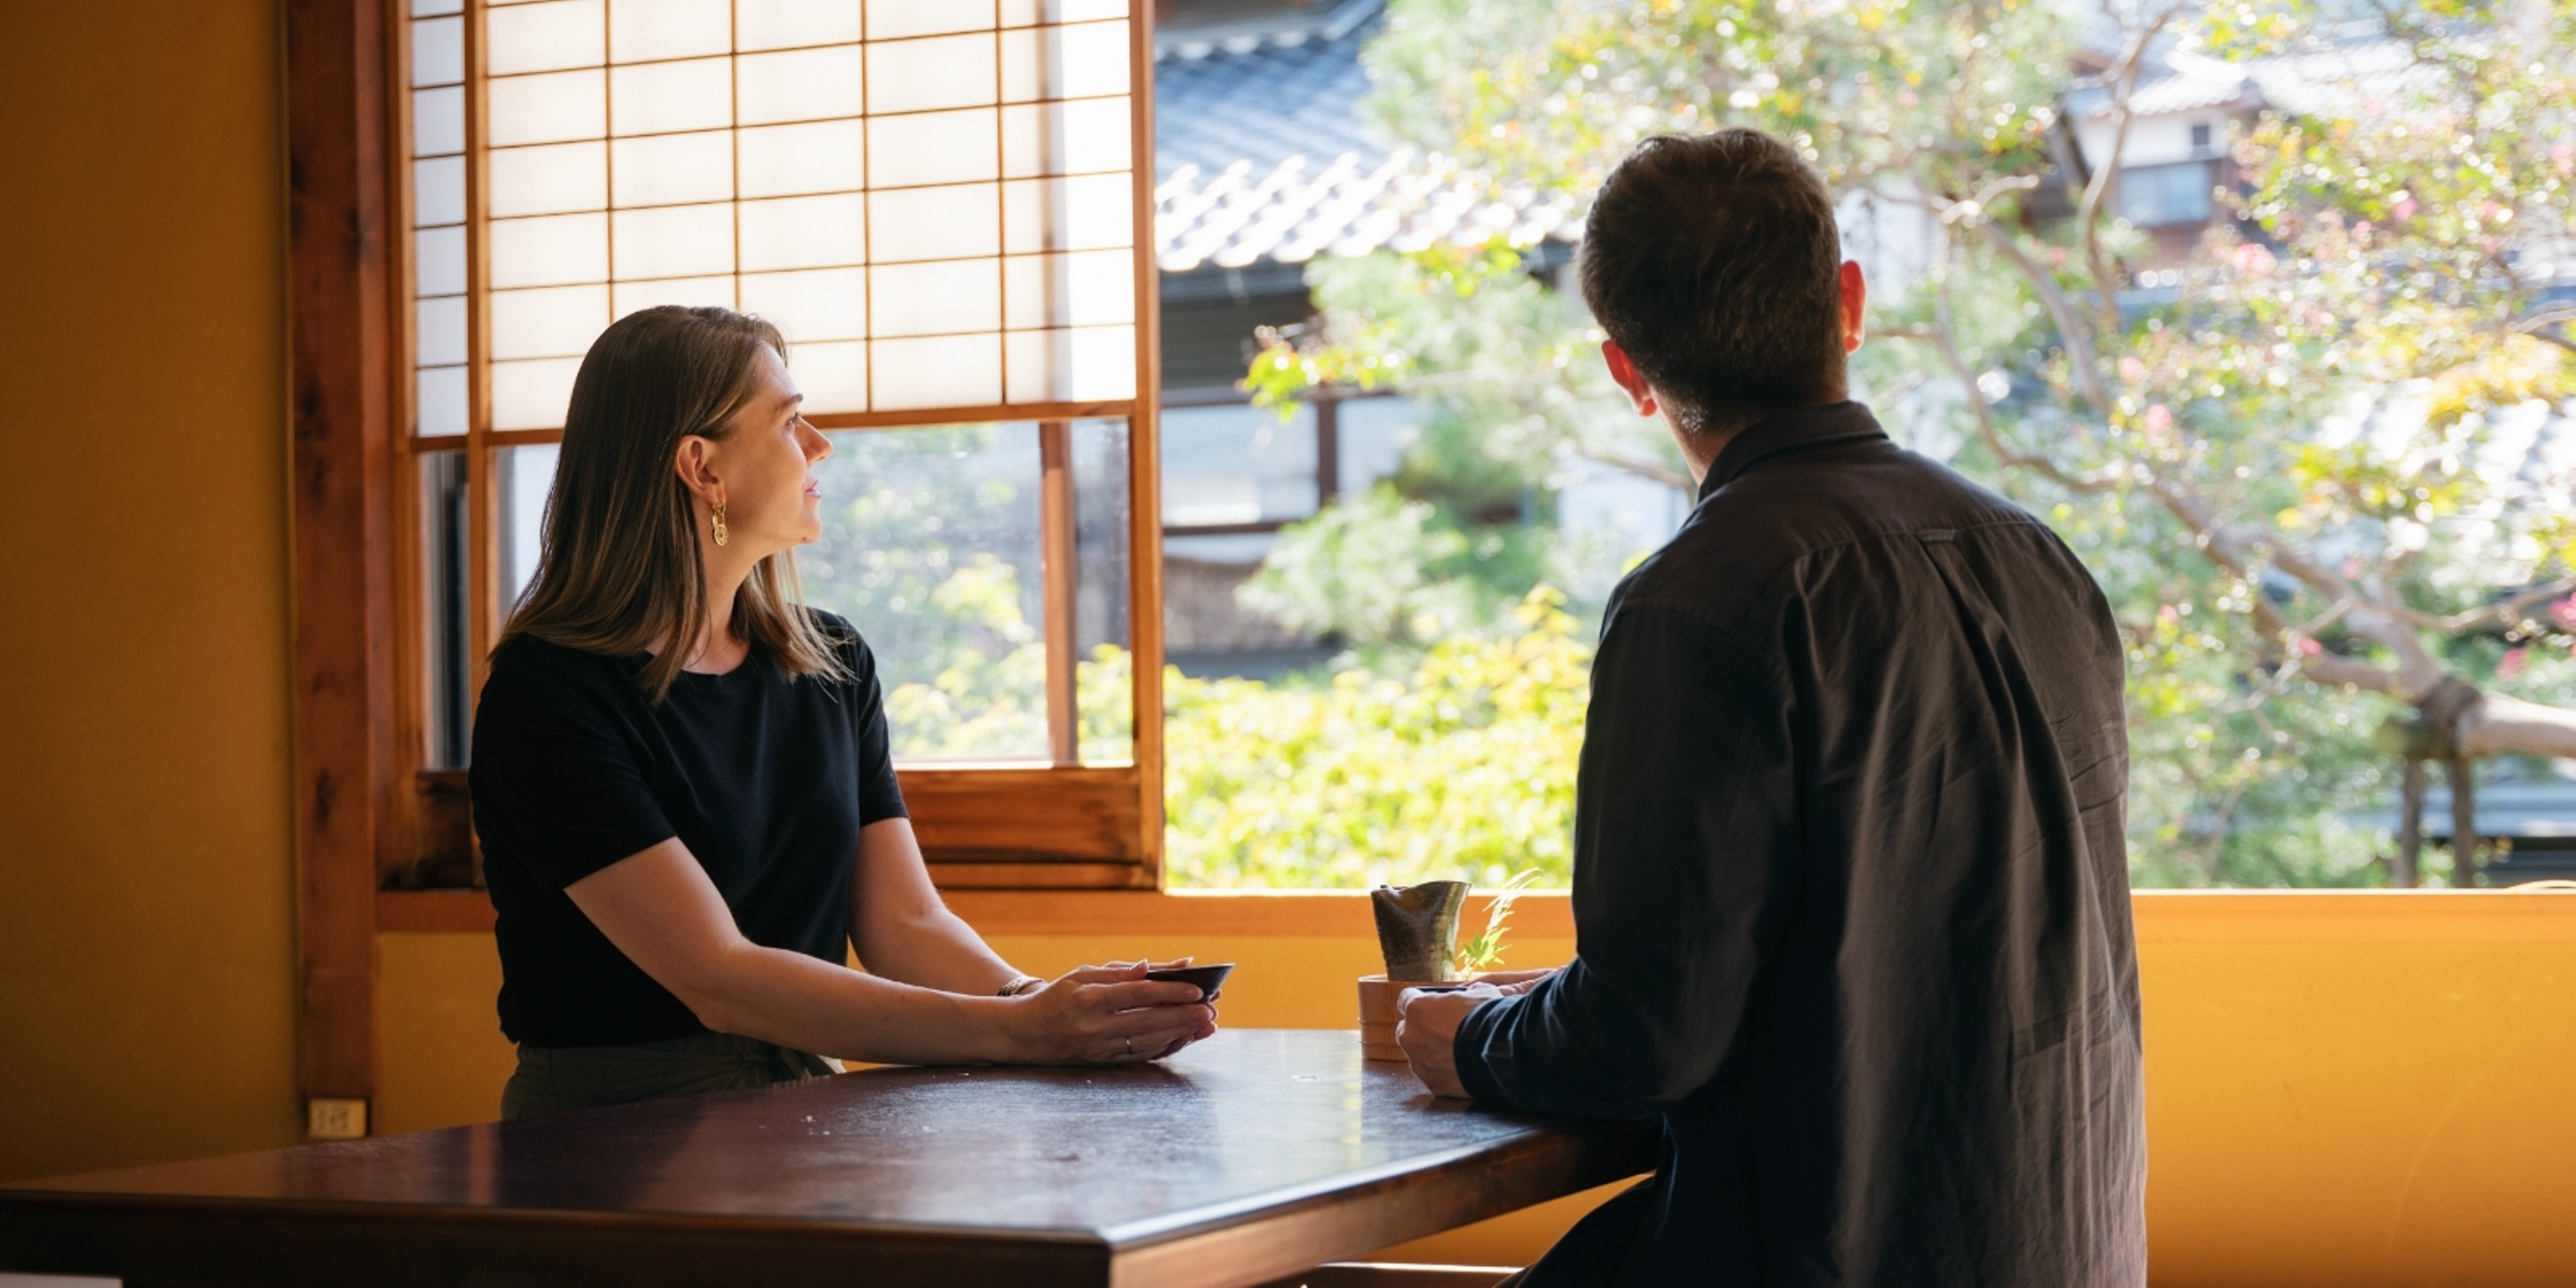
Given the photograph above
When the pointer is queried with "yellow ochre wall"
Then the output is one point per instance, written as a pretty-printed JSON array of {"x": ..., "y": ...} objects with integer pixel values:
[
  {"x": 146, "y": 925},
  {"x": 2344, "y": 1090}
]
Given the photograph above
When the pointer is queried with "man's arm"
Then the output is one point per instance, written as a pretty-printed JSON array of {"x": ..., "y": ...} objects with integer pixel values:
[{"x": 1686, "y": 846}]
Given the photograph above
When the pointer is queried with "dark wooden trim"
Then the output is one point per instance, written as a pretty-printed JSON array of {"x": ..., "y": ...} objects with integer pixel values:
[
  {"x": 1041, "y": 812},
  {"x": 1145, "y": 458},
  {"x": 341, "y": 206},
  {"x": 1060, "y": 572},
  {"x": 1262, "y": 528}
]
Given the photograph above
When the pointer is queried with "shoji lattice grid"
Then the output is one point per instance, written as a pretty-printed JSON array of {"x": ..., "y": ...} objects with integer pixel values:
[
  {"x": 932, "y": 198},
  {"x": 438, "y": 147}
]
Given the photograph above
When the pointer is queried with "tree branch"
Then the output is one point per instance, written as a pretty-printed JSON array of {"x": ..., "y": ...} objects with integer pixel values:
[
  {"x": 2124, "y": 80},
  {"x": 1940, "y": 337}
]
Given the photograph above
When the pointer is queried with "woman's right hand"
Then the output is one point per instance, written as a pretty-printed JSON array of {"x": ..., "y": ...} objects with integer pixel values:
[{"x": 1108, "y": 1015}]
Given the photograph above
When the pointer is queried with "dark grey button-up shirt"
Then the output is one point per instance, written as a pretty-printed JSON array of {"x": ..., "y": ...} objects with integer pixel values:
[{"x": 1850, "y": 892}]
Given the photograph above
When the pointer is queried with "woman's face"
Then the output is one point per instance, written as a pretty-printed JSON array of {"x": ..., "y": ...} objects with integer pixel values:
[{"x": 764, "y": 468}]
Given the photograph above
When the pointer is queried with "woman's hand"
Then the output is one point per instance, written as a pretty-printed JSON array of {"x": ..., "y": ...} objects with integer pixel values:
[{"x": 1108, "y": 1015}]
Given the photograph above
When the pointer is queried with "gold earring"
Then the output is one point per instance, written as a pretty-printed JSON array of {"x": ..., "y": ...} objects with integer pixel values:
[{"x": 720, "y": 523}]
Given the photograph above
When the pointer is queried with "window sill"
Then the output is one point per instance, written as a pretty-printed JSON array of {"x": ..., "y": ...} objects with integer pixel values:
[{"x": 2163, "y": 916}]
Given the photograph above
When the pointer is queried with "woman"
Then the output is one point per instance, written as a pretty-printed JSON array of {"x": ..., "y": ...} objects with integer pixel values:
[{"x": 682, "y": 784}]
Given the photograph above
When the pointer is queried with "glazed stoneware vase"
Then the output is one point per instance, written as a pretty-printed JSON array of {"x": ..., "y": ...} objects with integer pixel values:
[{"x": 1417, "y": 934}]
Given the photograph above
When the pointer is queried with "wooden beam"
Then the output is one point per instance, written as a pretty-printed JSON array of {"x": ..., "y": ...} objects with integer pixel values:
[
  {"x": 339, "y": 116},
  {"x": 1060, "y": 571},
  {"x": 1145, "y": 459}
]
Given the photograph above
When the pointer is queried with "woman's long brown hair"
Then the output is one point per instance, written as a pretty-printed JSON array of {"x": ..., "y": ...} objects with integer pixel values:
[{"x": 619, "y": 571}]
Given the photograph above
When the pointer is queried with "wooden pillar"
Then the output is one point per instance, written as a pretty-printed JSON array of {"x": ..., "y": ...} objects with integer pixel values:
[
  {"x": 340, "y": 208},
  {"x": 2406, "y": 868},
  {"x": 2464, "y": 823}
]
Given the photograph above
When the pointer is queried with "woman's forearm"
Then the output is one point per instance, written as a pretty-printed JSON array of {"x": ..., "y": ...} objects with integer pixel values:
[
  {"x": 812, "y": 1005},
  {"x": 934, "y": 948}
]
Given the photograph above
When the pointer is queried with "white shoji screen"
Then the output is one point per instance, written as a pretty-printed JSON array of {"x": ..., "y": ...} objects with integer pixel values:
[{"x": 932, "y": 198}]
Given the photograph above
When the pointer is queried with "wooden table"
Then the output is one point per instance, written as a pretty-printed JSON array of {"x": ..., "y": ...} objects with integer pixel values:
[{"x": 1253, "y": 1155}]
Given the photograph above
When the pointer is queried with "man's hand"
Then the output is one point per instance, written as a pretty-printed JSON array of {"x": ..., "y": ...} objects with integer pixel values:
[{"x": 1427, "y": 1028}]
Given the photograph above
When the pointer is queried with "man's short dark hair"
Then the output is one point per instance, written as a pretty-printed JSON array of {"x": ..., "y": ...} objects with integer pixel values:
[{"x": 1715, "y": 263}]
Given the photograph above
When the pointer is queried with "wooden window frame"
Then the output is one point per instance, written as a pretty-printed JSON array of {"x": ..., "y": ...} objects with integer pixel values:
[{"x": 368, "y": 804}]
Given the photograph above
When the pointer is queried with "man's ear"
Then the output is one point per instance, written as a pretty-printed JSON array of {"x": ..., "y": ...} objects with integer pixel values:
[
  {"x": 1855, "y": 294},
  {"x": 1628, "y": 377}
]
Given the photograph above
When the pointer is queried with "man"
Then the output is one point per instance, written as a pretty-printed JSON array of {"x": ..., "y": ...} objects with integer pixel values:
[{"x": 1850, "y": 889}]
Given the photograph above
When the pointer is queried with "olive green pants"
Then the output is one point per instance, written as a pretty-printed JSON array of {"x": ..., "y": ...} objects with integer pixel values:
[{"x": 552, "y": 1080}]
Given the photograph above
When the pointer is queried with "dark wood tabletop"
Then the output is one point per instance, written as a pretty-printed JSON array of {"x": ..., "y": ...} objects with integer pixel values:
[{"x": 1252, "y": 1155}]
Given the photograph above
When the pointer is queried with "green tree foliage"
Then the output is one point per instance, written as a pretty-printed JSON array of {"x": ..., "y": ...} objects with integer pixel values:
[
  {"x": 2289, "y": 464},
  {"x": 1460, "y": 766}
]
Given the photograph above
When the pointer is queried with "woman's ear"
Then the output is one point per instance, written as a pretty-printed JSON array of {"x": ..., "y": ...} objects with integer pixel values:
[{"x": 694, "y": 463}]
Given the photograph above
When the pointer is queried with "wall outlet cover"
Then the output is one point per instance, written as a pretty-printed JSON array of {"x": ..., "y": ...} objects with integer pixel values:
[{"x": 330, "y": 1118}]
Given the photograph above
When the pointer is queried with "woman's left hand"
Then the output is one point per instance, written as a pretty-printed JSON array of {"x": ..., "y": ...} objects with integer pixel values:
[{"x": 1107, "y": 1015}]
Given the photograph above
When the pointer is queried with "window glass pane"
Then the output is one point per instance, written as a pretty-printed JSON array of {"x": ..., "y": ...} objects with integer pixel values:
[
  {"x": 555, "y": 322},
  {"x": 546, "y": 109},
  {"x": 675, "y": 241},
  {"x": 1103, "y": 677},
  {"x": 438, "y": 331},
  {"x": 820, "y": 304},
  {"x": 2158, "y": 195},
  {"x": 542, "y": 37},
  {"x": 552, "y": 250},
  {"x": 937, "y": 298},
  {"x": 1375, "y": 435},
  {"x": 833, "y": 375},
  {"x": 438, "y": 51},
  {"x": 524, "y": 476},
  {"x": 1064, "y": 62},
  {"x": 1085, "y": 288},
  {"x": 804, "y": 232},
  {"x": 924, "y": 75},
  {"x": 440, "y": 393},
  {"x": 822, "y": 156},
  {"x": 1022, "y": 13},
  {"x": 888, "y": 19},
  {"x": 945, "y": 371},
  {"x": 1236, "y": 463},
  {"x": 641, "y": 29},
  {"x": 1065, "y": 138},
  {"x": 438, "y": 121},
  {"x": 532, "y": 394},
  {"x": 806, "y": 85},
  {"x": 930, "y": 548},
  {"x": 547, "y": 180},
  {"x": 669, "y": 169},
  {"x": 438, "y": 191},
  {"x": 1085, "y": 212},
  {"x": 934, "y": 147},
  {"x": 687, "y": 291},
  {"x": 934, "y": 223},
  {"x": 1083, "y": 364},
  {"x": 661, "y": 98},
  {"x": 438, "y": 261},
  {"x": 782, "y": 24}
]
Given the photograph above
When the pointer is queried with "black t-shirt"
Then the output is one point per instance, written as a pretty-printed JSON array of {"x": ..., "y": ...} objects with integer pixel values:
[{"x": 766, "y": 778}]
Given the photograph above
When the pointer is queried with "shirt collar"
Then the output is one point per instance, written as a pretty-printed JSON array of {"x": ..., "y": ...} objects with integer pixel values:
[{"x": 1796, "y": 429}]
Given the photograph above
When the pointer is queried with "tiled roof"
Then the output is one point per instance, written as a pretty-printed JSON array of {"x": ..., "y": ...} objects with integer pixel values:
[
  {"x": 1261, "y": 153},
  {"x": 2358, "y": 74}
]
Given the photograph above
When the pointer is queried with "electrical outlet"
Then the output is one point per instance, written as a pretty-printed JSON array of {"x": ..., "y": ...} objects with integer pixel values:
[{"x": 329, "y": 1118}]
